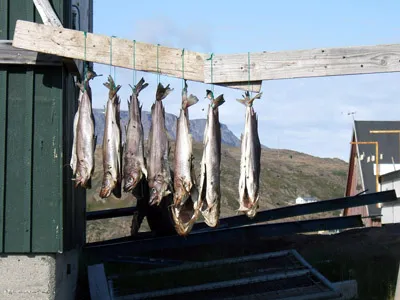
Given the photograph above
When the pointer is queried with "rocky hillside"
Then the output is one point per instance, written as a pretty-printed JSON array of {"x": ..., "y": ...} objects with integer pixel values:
[{"x": 196, "y": 127}]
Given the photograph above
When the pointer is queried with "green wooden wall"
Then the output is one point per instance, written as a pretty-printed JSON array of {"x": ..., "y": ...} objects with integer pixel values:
[{"x": 40, "y": 210}]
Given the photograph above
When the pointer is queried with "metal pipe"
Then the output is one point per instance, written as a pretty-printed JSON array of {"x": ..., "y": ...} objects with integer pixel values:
[
  {"x": 214, "y": 263},
  {"x": 303, "y": 209},
  {"x": 315, "y": 272},
  {"x": 110, "y": 213},
  {"x": 223, "y": 236},
  {"x": 217, "y": 285}
]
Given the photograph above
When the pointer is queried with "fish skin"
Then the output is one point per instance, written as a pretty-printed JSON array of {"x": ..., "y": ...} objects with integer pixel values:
[
  {"x": 74, "y": 162},
  {"x": 82, "y": 162},
  {"x": 209, "y": 189},
  {"x": 159, "y": 173},
  {"x": 134, "y": 160},
  {"x": 112, "y": 153},
  {"x": 249, "y": 181},
  {"x": 185, "y": 206}
]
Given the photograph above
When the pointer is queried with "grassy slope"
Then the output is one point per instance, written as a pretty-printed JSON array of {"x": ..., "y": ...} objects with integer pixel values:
[{"x": 285, "y": 175}]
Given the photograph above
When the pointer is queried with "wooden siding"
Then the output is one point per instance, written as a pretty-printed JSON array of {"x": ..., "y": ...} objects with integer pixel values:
[
  {"x": 354, "y": 186},
  {"x": 40, "y": 210}
]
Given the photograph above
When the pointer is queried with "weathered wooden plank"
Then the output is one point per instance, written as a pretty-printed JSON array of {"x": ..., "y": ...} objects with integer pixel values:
[
  {"x": 98, "y": 285},
  {"x": 304, "y": 63},
  {"x": 47, "y": 13},
  {"x": 3, "y": 122},
  {"x": 19, "y": 160},
  {"x": 115, "y": 51},
  {"x": 47, "y": 161},
  {"x": 50, "y": 18},
  {"x": 11, "y": 55}
]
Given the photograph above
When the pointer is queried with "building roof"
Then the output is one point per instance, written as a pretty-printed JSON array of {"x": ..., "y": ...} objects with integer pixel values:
[{"x": 389, "y": 147}]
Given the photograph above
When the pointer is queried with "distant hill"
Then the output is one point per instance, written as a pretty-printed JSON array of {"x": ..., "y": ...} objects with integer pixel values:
[
  {"x": 285, "y": 175},
  {"x": 196, "y": 127}
]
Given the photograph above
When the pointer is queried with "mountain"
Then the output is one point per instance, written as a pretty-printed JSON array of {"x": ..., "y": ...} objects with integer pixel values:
[{"x": 196, "y": 127}]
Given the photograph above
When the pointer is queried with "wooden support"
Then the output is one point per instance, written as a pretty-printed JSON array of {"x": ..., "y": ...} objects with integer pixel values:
[
  {"x": 12, "y": 55},
  {"x": 49, "y": 17},
  {"x": 304, "y": 63},
  {"x": 47, "y": 13},
  {"x": 71, "y": 43}
]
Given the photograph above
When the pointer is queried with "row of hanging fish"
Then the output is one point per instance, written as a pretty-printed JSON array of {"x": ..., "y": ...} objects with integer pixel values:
[{"x": 129, "y": 164}]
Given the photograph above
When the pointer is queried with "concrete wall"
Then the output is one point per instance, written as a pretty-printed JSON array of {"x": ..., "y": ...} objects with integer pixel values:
[{"x": 37, "y": 277}]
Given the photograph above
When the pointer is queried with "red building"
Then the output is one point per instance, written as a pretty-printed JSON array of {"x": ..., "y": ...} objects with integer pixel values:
[{"x": 364, "y": 161}]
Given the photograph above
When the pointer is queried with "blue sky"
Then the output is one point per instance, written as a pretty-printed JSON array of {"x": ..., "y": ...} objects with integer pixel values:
[{"x": 307, "y": 115}]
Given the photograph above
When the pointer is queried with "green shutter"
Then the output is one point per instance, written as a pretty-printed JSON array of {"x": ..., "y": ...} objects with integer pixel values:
[
  {"x": 3, "y": 115},
  {"x": 47, "y": 161},
  {"x": 19, "y": 160}
]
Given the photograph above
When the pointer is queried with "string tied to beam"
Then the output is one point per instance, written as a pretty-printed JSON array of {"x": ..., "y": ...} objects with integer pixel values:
[
  {"x": 248, "y": 73},
  {"x": 183, "y": 67},
  {"x": 111, "y": 56},
  {"x": 84, "y": 62},
  {"x": 158, "y": 69},
  {"x": 134, "y": 62},
  {"x": 211, "y": 65}
]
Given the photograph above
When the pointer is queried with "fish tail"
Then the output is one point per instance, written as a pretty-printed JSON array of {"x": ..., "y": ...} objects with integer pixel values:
[
  {"x": 162, "y": 91},
  {"x": 110, "y": 84},
  {"x": 140, "y": 86},
  {"x": 247, "y": 101},
  {"x": 191, "y": 100},
  {"x": 188, "y": 101},
  {"x": 218, "y": 101}
]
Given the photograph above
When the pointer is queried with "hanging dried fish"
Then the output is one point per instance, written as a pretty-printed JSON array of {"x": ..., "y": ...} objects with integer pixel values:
[
  {"x": 249, "y": 181},
  {"x": 159, "y": 173},
  {"x": 112, "y": 144},
  {"x": 134, "y": 161},
  {"x": 184, "y": 209},
  {"x": 84, "y": 141},
  {"x": 210, "y": 190}
]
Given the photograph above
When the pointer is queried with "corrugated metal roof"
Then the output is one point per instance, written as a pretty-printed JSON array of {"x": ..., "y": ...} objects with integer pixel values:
[{"x": 388, "y": 148}]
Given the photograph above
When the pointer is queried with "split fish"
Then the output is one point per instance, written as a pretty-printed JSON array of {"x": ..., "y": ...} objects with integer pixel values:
[
  {"x": 184, "y": 208},
  {"x": 84, "y": 141},
  {"x": 112, "y": 144},
  {"x": 159, "y": 173},
  {"x": 134, "y": 160},
  {"x": 249, "y": 181},
  {"x": 209, "y": 189}
]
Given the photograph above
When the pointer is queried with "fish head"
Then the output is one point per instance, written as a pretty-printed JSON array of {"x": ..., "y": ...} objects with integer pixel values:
[
  {"x": 211, "y": 214},
  {"x": 82, "y": 177},
  {"x": 249, "y": 206},
  {"x": 107, "y": 185},
  {"x": 132, "y": 180},
  {"x": 158, "y": 191},
  {"x": 184, "y": 217}
]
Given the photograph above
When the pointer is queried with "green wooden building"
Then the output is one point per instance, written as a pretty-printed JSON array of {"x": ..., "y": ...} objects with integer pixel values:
[{"x": 40, "y": 210}]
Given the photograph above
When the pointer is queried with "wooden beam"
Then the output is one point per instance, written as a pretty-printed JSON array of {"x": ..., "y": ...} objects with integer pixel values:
[
  {"x": 304, "y": 63},
  {"x": 71, "y": 43},
  {"x": 12, "y": 55}
]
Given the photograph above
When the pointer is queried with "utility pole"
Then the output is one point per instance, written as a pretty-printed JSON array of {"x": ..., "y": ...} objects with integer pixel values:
[{"x": 358, "y": 153}]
